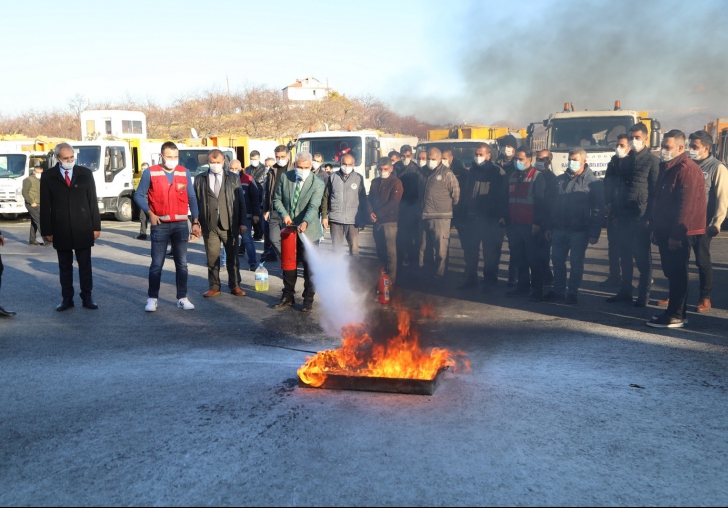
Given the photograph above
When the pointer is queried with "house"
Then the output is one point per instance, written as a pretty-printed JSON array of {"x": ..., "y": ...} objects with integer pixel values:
[{"x": 307, "y": 89}]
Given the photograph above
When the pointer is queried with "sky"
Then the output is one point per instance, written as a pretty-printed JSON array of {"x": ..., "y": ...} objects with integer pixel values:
[{"x": 475, "y": 61}]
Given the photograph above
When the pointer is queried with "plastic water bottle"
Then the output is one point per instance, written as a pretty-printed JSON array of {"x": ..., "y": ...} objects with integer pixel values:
[{"x": 261, "y": 279}]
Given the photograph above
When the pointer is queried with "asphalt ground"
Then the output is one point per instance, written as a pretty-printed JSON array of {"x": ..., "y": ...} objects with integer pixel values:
[{"x": 564, "y": 405}]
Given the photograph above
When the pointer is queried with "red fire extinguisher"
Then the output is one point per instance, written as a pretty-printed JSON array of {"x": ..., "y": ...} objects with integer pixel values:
[
  {"x": 289, "y": 235},
  {"x": 385, "y": 288}
]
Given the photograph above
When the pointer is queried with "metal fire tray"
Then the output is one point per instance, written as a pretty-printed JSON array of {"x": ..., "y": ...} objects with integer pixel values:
[{"x": 379, "y": 384}]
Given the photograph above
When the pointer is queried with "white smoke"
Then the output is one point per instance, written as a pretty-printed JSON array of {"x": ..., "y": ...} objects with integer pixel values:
[{"x": 339, "y": 303}]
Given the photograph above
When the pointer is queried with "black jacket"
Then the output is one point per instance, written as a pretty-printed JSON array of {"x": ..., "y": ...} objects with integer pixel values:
[
  {"x": 258, "y": 175},
  {"x": 384, "y": 197},
  {"x": 69, "y": 215},
  {"x": 269, "y": 188},
  {"x": 484, "y": 194},
  {"x": 235, "y": 202},
  {"x": 576, "y": 204},
  {"x": 611, "y": 177},
  {"x": 410, "y": 176},
  {"x": 252, "y": 198},
  {"x": 636, "y": 184}
]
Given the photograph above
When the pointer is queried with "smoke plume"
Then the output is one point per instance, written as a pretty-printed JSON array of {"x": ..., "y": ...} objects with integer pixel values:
[{"x": 339, "y": 303}]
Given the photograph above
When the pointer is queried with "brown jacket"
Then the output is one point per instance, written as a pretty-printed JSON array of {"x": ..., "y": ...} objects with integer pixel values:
[{"x": 680, "y": 206}]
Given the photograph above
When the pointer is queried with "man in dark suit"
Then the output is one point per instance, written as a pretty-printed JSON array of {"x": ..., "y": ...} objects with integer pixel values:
[
  {"x": 69, "y": 218},
  {"x": 3, "y": 312}
]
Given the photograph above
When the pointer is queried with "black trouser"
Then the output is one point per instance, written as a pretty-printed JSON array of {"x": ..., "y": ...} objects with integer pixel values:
[
  {"x": 701, "y": 248},
  {"x": 489, "y": 234},
  {"x": 634, "y": 243},
  {"x": 85, "y": 276},
  {"x": 34, "y": 212},
  {"x": 615, "y": 271},
  {"x": 213, "y": 239},
  {"x": 546, "y": 272},
  {"x": 675, "y": 266},
  {"x": 143, "y": 223},
  {"x": 525, "y": 252},
  {"x": 1, "y": 271},
  {"x": 257, "y": 230},
  {"x": 291, "y": 276},
  {"x": 408, "y": 234}
]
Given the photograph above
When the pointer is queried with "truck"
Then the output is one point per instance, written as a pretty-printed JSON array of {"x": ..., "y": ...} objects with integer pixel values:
[
  {"x": 594, "y": 131},
  {"x": 719, "y": 130},
  {"x": 15, "y": 166},
  {"x": 464, "y": 139}
]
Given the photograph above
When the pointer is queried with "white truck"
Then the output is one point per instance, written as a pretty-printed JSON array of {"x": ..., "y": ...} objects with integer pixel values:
[
  {"x": 15, "y": 166},
  {"x": 594, "y": 131}
]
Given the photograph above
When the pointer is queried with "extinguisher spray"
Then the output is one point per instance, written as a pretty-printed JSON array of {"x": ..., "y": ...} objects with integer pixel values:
[{"x": 385, "y": 288}]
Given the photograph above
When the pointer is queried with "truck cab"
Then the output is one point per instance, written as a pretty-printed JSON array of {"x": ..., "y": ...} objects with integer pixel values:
[{"x": 16, "y": 166}]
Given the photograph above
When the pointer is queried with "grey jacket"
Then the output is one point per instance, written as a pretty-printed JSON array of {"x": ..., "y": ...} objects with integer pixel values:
[
  {"x": 439, "y": 193},
  {"x": 716, "y": 189},
  {"x": 345, "y": 200}
]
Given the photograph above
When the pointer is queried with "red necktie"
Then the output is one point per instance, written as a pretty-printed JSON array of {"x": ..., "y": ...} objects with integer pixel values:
[{"x": 68, "y": 180}]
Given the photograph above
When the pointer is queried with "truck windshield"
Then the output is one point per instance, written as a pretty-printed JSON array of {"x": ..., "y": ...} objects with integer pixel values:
[
  {"x": 12, "y": 166},
  {"x": 595, "y": 133},
  {"x": 88, "y": 156},
  {"x": 463, "y": 151},
  {"x": 196, "y": 160},
  {"x": 333, "y": 149}
]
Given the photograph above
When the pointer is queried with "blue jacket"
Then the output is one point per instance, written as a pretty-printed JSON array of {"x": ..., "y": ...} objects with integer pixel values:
[{"x": 576, "y": 204}]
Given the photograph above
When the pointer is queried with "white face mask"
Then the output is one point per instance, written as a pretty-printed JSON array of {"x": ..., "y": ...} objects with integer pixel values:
[
  {"x": 666, "y": 155},
  {"x": 171, "y": 163},
  {"x": 406, "y": 161},
  {"x": 636, "y": 144},
  {"x": 282, "y": 162},
  {"x": 621, "y": 152},
  {"x": 68, "y": 166},
  {"x": 347, "y": 169},
  {"x": 479, "y": 160},
  {"x": 446, "y": 163},
  {"x": 38, "y": 175},
  {"x": 302, "y": 174},
  {"x": 433, "y": 164},
  {"x": 422, "y": 163},
  {"x": 695, "y": 155},
  {"x": 216, "y": 168},
  {"x": 508, "y": 151},
  {"x": 255, "y": 163},
  {"x": 386, "y": 175},
  {"x": 316, "y": 165}
]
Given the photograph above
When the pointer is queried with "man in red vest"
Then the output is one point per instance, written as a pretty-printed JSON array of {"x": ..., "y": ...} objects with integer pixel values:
[
  {"x": 165, "y": 193},
  {"x": 526, "y": 189}
]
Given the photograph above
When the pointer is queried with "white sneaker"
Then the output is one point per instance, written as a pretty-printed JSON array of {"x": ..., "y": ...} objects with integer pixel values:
[
  {"x": 151, "y": 305},
  {"x": 185, "y": 304}
]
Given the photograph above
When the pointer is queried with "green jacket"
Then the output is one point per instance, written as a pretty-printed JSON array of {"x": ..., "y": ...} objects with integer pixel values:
[
  {"x": 309, "y": 202},
  {"x": 31, "y": 190}
]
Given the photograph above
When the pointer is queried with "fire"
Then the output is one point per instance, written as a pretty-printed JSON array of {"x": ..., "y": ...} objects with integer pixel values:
[{"x": 401, "y": 357}]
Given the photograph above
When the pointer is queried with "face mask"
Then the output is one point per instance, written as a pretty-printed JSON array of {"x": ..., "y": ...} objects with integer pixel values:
[
  {"x": 386, "y": 175},
  {"x": 316, "y": 165},
  {"x": 446, "y": 163},
  {"x": 574, "y": 166},
  {"x": 433, "y": 164},
  {"x": 479, "y": 160},
  {"x": 38, "y": 176},
  {"x": 347, "y": 169},
  {"x": 171, "y": 163},
  {"x": 282, "y": 162},
  {"x": 541, "y": 166},
  {"x": 406, "y": 161},
  {"x": 520, "y": 166},
  {"x": 422, "y": 163},
  {"x": 621, "y": 152},
  {"x": 694, "y": 154},
  {"x": 666, "y": 155},
  {"x": 68, "y": 166},
  {"x": 302, "y": 174},
  {"x": 216, "y": 168},
  {"x": 255, "y": 163},
  {"x": 636, "y": 144},
  {"x": 508, "y": 151}
]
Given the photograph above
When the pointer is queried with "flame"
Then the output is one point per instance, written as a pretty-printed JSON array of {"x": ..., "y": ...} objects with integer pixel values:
[{"x": 401, "y": 357}]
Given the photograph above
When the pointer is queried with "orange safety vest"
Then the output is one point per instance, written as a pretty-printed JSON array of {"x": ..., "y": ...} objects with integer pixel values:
[
  {"x": 168, "y": 201},
  {"x": 520, "y": 197}
]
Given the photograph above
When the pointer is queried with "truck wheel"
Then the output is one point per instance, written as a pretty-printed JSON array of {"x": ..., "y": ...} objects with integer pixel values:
[
  {"x": 10, "y": 216},
  {"x": 125, "y": 210}
]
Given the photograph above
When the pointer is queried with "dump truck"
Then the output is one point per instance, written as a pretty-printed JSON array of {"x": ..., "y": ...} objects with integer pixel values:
[
  {"x": 594, "y": 131},
  {"x": 464, "y": 139}
]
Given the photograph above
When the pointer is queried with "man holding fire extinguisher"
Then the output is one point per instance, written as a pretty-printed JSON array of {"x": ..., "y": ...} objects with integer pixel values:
[{"x": 297, "y": 200}]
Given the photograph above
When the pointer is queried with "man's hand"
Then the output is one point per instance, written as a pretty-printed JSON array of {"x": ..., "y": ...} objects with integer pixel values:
[
  {"x": 48, "y": 239},
  {"x": 2, "y": 241},
  {"x": 196, "y": 230},
  {"x": 256, "y": 219},
  {"x": 153, "y": 219},
  {"x": 673, "y": 244},
  {"x": 535, "y": 230},
  {"x": 713, "y": 231},
  {"x": 325, "y": 223},
  {"x": 243, "y": 229},
  {"x": 302, "y": 228},
  {"x": 373, "y": 217},
  {"x": 593, "y": 241},
  {"x": 97, "y": 234},
  {"x": 548, "y": 235},
  {"x": 287, "y": 220},
  {"x": 266, "y": 216},
  {"x": 34, "y": 205}
]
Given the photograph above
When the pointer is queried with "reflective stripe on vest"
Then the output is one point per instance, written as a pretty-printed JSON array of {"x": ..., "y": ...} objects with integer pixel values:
[
  {"x": 520, "y": 198},
  {"x": 168, "y": 201}
]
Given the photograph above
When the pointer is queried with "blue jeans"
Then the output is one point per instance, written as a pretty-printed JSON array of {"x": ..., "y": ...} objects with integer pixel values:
[
  {"x": 178, "y": 234},
  {"x": 249, "y": 245},
  {"x": 565, "y": 242}
]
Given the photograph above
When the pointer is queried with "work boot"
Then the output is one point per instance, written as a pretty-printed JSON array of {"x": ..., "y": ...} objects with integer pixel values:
[
  {"x": 663, "y": 303},
  {"x": 622, "y": 296},
  {"x": 704, "y": 305},
  {"x": 6, "y": 313},
  {"x": 610, "y": 282},
  {"x": 307, "y": 306},
  {"x": 285, "y": 301}
]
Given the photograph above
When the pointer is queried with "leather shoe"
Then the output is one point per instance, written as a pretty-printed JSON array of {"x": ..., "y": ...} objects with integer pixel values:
[
  {"x": 211, "y": 293},
  {"x": 704, "y": 305},
  {"x": 307, "y": 306},
  {"x": 284, "y": 302},
  {"x": 663, "y": 303},
  {"x": 6, "y": 313},
  {"x": 65, "y": 305},
  {"x": 141, "y": 237},
  {"x": 237, "y": 292},
  {"x": 620, "y": 297},
  {"x": 90, "y": 304}
]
